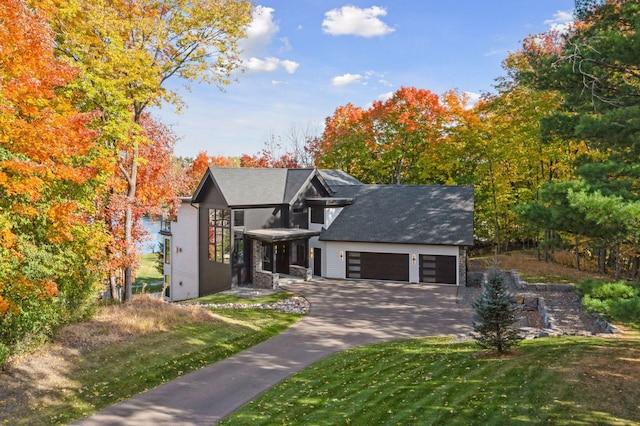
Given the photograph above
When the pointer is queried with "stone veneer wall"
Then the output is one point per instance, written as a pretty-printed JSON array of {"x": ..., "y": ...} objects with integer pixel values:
[
  {"x": 300, "y": 272},
  {"x": 462, "y": 265},
  {"x": 259, "y": 277}
]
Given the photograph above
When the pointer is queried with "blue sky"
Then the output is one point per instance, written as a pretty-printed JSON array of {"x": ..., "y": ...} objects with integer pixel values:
[{"x": 304, "y": 58}]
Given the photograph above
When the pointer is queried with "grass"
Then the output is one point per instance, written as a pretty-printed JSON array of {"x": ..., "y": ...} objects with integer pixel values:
[
  {"x": 89, "y": 370},
  {"x": 148, "y": 274},
  {"x": 572, "y": 381}
]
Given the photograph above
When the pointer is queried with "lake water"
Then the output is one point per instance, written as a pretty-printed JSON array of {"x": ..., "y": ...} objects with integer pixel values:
[{"x": 153, "y": 226}]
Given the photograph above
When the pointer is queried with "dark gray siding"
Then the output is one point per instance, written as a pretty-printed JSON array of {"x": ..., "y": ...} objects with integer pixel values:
[{"x": 213, "y": 276}]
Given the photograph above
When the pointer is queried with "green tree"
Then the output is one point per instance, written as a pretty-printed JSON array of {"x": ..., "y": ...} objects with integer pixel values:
[{"x": 495, "y": 315}]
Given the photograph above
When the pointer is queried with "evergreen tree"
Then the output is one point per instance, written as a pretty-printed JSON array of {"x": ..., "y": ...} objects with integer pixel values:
[{"x": 495, "y": 315}]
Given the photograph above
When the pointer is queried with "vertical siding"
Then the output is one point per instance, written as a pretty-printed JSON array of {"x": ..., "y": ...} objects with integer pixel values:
[{"x": 184, "y": 254}]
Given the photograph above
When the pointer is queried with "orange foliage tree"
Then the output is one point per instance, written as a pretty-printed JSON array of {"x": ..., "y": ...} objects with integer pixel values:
[
  {"x": 194, "y": 171},
  {"x": 157, "y": 188},
  {"x": 49, "y": 178},
  {"x": 385, "y": 143}
]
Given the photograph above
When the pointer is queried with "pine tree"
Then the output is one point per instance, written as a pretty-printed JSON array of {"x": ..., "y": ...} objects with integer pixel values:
[{"x": 495, "y": 315}]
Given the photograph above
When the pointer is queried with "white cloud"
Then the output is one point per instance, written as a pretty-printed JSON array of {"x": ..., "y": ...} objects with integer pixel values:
[
  {"x": 351, "y": 20},
  {"x": 260, "y": 35},
  {"x": 346, "y": 79},
  {"x": 561, "y": 21},
  {"x": 286, "y": 45},
  {"x": 290, "y": 66},
  {"x": 472, "y": 99},
  {"x": 385, "y": 96},
  {"x": 270, "y": 64}
]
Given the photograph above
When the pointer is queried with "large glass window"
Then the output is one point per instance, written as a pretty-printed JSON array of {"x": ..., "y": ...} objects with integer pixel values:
[{"x": 220, "y": 235}]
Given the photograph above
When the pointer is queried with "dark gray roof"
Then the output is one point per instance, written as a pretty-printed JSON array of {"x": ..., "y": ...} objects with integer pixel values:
[
  {"x": 407, "y": 214},
  {"x": 335, "y": 178},
  {"x": 255, "y": 187}
]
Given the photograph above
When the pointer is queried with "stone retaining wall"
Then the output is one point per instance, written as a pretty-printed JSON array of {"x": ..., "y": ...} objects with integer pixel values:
[{"x": 545, "y": 316}]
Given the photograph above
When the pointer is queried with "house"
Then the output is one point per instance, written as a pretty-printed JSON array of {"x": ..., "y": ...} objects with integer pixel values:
[{"x": 253, "y": 225}]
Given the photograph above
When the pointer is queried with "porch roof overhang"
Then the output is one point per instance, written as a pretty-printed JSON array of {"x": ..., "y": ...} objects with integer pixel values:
[{"x": 281, "y": 234}]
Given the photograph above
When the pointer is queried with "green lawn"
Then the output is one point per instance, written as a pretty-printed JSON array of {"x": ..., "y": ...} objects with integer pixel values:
[
  {"x": 572, "y": 381},
  {"x": 99, "y": 378},
  {"x": 148, "y": 274}
]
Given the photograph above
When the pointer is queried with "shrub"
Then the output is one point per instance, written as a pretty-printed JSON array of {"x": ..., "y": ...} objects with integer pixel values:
[
  {"x": 495, "y": 315},
  {"x": 615, "y": 301}
]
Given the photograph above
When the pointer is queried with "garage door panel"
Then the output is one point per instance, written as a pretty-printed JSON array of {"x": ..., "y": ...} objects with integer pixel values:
[
  {"x": 438, "y": 269},
  {"x": 378, "y": 266}
]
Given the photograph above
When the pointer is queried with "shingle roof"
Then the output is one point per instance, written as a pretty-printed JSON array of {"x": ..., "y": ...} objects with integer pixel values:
[
  {"x": 336, "y": 178},
  {"x": 407, "y": 214},
  {"x": 255, "y": 187}
]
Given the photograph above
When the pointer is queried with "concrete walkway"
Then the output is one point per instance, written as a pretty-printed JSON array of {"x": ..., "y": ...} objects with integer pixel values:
[{"x": 344, "y": 314}]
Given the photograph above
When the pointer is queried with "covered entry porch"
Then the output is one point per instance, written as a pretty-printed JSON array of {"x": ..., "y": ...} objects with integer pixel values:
[{"x": 279, "y": 251}]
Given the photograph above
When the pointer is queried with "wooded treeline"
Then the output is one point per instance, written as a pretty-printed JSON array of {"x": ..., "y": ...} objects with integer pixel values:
[{"x": 553, "y": 153}]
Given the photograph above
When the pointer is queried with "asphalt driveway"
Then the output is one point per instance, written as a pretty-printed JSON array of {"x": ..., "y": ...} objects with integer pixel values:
[{"x": 344, "y": 314}]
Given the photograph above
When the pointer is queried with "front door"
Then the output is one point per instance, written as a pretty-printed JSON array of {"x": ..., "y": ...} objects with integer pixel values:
[{"x": 282, "y": 257}]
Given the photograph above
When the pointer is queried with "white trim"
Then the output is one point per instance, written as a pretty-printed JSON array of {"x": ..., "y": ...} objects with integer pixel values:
[{"x": 334, "y": 267}]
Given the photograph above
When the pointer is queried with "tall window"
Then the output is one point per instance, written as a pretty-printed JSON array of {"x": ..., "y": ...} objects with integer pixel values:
[
  {"x": 220, "y": 235},
  {"x": 167, "y": 251}
]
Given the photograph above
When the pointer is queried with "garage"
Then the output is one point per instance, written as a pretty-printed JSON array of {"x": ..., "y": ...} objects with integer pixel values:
[
  {"x": 438, "y": 269},
  {"x": 378, "y": 266}
]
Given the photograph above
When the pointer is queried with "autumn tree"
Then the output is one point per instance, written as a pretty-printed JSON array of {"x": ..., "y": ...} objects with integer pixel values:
[
  {"x": 49, "y": 177},
  {"x": 157, "y": 193},
  {"x": 127, "y": 52},
  {"x": 193, "y": 171},
  {"x": 343, "y": 144},
  {"x": 391, "y": 142}
]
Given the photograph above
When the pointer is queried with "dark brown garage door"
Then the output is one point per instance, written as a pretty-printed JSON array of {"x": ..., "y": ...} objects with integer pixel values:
[
  {"x": 378, "y": 266},
  {"x": 438, "y": 269}
]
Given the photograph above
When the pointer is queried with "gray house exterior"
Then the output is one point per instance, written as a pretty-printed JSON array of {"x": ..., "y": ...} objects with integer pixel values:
[{"x": 254, "y": 225}]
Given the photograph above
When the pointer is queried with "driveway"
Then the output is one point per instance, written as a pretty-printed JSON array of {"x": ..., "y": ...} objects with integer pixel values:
[{"x": 344, "y": 314}]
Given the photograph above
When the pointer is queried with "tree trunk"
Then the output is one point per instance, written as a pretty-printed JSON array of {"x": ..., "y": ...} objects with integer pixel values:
[
  {"x": 128, "y": 222},
  {"x": 113, "y": 286},
  {"x": 617, "y": 261},
  {"x": 547, "y": 241},
  {"x": 577, "y": 252}
]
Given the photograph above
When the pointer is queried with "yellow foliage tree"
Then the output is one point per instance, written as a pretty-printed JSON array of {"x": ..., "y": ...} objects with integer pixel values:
[{"x": 127, "y": 51}]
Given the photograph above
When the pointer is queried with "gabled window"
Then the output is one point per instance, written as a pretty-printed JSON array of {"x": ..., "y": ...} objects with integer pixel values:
[{"x": 317, "y": 215}]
